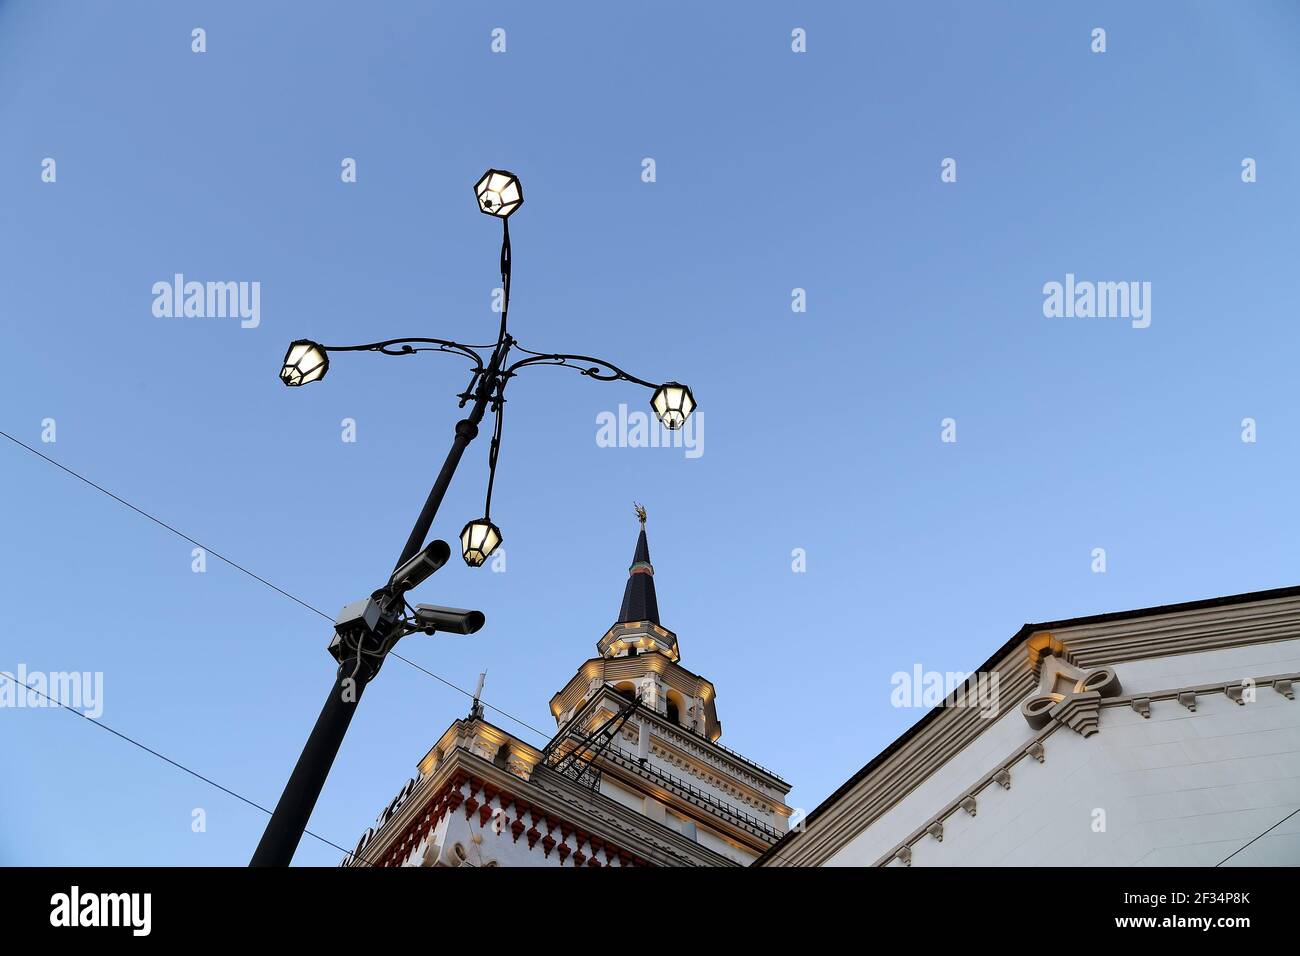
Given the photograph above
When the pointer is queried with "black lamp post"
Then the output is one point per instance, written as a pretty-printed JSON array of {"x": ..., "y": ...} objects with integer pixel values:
[{"x": 367, "y": 630}]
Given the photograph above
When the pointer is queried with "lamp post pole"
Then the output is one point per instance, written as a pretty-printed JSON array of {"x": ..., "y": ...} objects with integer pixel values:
[
  {"x": 466, "y": 432},
  {"x": 362, "y": 643},
  {"x": 284, "y": 831}
]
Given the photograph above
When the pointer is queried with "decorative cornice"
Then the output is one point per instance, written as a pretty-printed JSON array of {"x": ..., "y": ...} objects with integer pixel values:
[
  {"x": 645, "y": 634},
  {"x": 460, "y": 791},
  {"x": 1204, "y": 629},
  {"x": 611, "y": 670},
  {"x": 465, "y": 782}
]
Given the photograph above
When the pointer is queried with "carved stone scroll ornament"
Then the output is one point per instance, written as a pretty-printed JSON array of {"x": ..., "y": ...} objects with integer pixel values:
[{"x": 1070, "y": 695}]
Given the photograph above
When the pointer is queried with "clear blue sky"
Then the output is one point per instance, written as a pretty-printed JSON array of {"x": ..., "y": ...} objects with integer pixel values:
[{"x": 775, "y": 170}]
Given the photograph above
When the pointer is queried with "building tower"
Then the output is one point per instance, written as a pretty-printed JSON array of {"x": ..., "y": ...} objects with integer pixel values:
[{"x": 634, "y": 776}]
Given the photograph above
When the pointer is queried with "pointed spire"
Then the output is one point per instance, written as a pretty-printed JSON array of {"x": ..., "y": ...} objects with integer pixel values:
[{"x": 639, "y": 602}]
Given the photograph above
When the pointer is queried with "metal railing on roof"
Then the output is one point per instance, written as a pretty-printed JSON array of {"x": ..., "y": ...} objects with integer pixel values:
[
  {"x": 633, "y": 763},
  {"x": 739, "y": 756},
  {"x": 662, "y": 702}
]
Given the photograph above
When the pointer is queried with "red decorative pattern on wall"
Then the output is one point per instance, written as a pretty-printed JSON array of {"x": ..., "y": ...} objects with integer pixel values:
[{"x": 449, "y": 798}]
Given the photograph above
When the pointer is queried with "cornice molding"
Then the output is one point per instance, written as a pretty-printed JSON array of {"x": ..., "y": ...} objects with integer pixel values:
[
  {"x": 648, "y": 633},
  {"x": 467, "y": 783},
  {"x": 546, "y": 794},
  {"x": 611, "y": 670},
  {"x": 1184, "y": 632}
]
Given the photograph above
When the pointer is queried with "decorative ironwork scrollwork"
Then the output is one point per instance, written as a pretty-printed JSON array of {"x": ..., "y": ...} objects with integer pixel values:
[{"x": 596, "y": 368}]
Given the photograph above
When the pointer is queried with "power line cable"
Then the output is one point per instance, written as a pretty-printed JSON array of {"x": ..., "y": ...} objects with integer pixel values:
[
  {"x": 239, "y": 567},
  {"x": 1265, "y": 833},
  {"x": 164, "y": 524},
  {"x": 149, "y": 750},
  {"x": 256, "y": 577},
  {"x": 540, "y": 733}
]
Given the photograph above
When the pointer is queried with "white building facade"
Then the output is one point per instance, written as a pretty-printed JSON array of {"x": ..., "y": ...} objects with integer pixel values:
[{"x": 1168, "y": 736}]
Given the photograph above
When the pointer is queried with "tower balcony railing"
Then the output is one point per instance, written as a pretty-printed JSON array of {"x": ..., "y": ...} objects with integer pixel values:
[
  {"x": 692, "y": 793},
  {"x": 739, "y": 756},
  {"x": 660, "y": 707}
]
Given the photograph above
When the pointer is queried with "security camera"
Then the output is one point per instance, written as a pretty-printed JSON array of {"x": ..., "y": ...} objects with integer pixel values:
[
  {"x": 453, "y": 620},
  {"x": 416, "y": 570}
]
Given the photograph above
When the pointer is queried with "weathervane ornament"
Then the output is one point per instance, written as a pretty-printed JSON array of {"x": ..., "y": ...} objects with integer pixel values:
[{"x": 640, "y": 513}]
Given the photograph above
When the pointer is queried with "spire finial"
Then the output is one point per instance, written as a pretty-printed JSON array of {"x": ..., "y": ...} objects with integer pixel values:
[{"x": 639, "y": 602}]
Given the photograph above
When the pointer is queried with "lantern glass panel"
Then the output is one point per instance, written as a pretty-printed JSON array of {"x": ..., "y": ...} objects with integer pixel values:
[
  {"x": 304, "y": 362},
  {"x": 673, "y": 404},
  {"x": 499, "y": 193},
  {"x": 478, "y": 540}
]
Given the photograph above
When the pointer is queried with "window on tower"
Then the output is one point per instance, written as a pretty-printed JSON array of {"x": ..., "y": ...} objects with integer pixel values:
[{"x": 676, "y": 706}]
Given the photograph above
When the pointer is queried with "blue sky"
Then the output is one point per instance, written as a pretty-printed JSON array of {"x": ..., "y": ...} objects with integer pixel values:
[{"x": 774, "y": 171}]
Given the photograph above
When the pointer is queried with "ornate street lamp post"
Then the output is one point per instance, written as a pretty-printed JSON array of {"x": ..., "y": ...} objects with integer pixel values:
[{"x": 367, "y": 630}]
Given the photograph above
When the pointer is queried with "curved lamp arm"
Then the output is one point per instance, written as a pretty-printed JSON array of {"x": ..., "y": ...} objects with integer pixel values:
[
  {"x": 583, "y": 364},
  {"x": 411, "y": 346}
]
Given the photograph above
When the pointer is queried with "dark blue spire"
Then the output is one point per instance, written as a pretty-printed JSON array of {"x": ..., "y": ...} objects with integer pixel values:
[{"x": 639, "y": 602}]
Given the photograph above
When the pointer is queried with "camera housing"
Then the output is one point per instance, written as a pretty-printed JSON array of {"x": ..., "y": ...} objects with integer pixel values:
[
  {"x": 418, "y": 568},
  {"x": 452, "y": 620}
]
